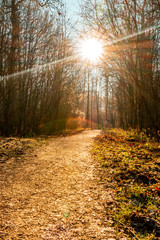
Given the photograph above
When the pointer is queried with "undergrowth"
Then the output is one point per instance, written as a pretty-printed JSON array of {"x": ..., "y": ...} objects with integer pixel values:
[{"x": 130, "y": 166}]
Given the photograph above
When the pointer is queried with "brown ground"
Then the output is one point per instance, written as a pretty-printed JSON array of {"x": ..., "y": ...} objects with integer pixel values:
[{"x": 54, "y": 193}]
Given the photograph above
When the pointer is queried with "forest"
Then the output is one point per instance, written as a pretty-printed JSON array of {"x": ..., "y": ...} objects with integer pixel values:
[
  {"x": 45, "y": 79},
  {"x": 80, "y": 119}
]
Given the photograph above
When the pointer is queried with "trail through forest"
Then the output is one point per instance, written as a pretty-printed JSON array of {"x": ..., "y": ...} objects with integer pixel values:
[{"x": 55, "y": 194}]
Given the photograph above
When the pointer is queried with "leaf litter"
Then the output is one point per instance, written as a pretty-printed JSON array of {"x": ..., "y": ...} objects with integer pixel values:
[
  {"x": 130, "y": 167},
  {"x": 53, "y": 192}
]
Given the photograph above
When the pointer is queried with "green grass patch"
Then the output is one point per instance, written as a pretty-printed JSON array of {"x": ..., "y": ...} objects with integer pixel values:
[{"x": 130, "y": 166}]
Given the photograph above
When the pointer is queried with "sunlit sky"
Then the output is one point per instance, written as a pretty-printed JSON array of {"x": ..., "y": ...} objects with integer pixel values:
[{"x": 72, "y": 7}]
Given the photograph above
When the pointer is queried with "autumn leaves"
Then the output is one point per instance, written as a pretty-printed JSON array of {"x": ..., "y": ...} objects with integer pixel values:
[{"x": 130, "y": 167}]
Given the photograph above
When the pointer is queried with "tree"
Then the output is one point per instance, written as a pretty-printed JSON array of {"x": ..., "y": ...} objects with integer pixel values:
[
  {"x": 129, "y": 29},
  {"x": 34, "y": 77}
]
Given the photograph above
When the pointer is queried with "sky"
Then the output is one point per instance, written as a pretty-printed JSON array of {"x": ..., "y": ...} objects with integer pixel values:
[
  {"x": 72, "y": 8},
  {"x": 73, "y": 11}
]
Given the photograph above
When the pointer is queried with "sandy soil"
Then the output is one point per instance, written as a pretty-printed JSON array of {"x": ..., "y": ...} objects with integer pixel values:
[{"x": 54, "y": 193}]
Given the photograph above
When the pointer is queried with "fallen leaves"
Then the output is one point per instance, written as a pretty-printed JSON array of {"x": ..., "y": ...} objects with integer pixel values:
[
  {"x": 130, "y": 165},
  {"x": 14, "y": 147},
  {"x": 55, "y": 195}
]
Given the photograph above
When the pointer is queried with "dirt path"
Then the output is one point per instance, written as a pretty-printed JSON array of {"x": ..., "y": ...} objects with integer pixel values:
[{"x": 55, "y": 194}]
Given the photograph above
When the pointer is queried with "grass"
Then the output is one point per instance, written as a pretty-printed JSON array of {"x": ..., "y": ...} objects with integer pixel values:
[{"x": 130, "y": 166}]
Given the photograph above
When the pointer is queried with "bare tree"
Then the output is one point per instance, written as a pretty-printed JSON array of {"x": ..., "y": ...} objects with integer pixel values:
[
  {"x": 131, "y": 32},
  {"x": 34, "y": 75}
]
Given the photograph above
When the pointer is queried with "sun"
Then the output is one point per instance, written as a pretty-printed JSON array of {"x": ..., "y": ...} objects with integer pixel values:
[{"x": 91, "y": 49}]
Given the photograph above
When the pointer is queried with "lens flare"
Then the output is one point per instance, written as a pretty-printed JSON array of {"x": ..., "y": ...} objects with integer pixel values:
[{"x": 91, "y": 49}]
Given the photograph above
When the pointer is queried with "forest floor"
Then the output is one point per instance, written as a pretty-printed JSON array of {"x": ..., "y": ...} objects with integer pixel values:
[
  {"x": 53, "y": 191},
  {"x": 130, "y": 169}
]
